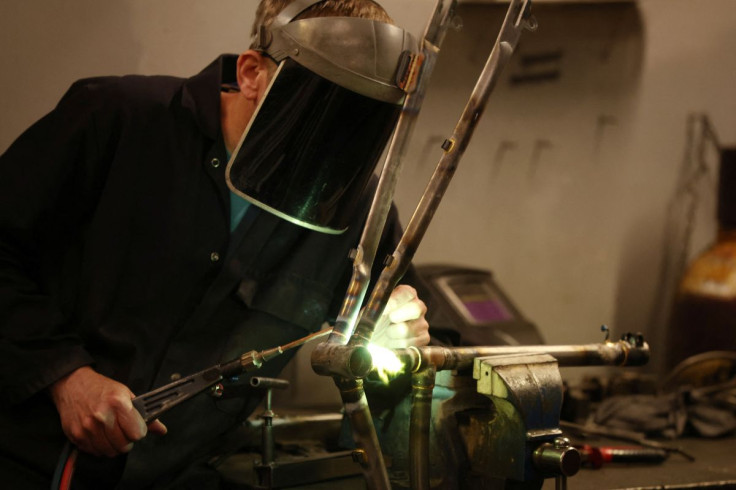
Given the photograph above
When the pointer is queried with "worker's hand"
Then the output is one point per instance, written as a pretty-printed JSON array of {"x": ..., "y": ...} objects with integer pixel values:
[
  {"x": 97, "y": 414},
  {"x": 403, "y": 323}
]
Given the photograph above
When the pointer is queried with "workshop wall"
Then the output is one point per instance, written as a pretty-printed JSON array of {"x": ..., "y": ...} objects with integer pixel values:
[
  {"x": 575, "y": 190},
  {"x": 570, "y": 189}
]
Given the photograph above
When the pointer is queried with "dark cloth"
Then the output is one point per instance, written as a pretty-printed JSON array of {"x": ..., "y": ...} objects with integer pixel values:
[
  {"x": 709, "y": 412},
  {"x": 115, "y": 252}
]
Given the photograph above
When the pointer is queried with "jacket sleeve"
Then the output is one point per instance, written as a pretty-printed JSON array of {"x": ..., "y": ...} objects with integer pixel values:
[{"x": 49, "y": 182}]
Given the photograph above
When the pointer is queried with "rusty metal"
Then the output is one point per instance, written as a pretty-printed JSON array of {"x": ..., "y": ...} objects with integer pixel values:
[
  {"x": 332, "y": 359},
  {"x": 517, "y": 18},
  {"x": 363, "y": 430},
  {"x": 421, "y": 418},
  {"x": 526, "y": 390},
  {"x": 355, "y": 361},
  {"x": 351, "y": 389},
  {"x": 625, "y": 352},
  {"x": 420, "y": 72}
]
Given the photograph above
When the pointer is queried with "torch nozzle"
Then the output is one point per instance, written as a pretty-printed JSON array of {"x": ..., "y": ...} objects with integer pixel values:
[{"x": 253, "y": 360}]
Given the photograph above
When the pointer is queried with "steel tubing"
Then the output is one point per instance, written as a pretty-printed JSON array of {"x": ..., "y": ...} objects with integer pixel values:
[
  {"x": 454, "y": 148},
  {"x": 421, "y": 418},
  {"x": 366, "y": 250},
  {"x": 351, "y": 389},
  {"x": 368, "y": 453},
  {"x": 621, "y": 353},
  {"x": 355, "y": 361},
  {"x": 356, "y": 406},
  {"x": 331, "y": 359}
]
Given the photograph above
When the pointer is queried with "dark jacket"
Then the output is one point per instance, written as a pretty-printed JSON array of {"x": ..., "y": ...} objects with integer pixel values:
[{"x": 115, "y": 251}]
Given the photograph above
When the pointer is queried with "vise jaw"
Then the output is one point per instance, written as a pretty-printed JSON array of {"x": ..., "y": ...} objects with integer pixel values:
[{"x": 522, "y": 441}]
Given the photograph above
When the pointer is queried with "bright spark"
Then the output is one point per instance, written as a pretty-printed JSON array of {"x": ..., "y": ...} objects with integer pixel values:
[{"x": 385, "y": 362}]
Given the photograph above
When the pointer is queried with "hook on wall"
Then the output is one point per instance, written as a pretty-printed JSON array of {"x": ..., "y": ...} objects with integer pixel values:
[
  {"x": 540, "y": 145},
  {"x": 503, "y": 148},
  {"x": 602, "y": 122}
]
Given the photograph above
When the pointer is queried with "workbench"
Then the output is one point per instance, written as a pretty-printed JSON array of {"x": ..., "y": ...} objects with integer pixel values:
[{"x": 714, "y": 467}]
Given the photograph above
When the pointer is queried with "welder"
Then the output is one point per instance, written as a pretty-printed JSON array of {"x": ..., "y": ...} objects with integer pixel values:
[{"x": 129, "y": 259}]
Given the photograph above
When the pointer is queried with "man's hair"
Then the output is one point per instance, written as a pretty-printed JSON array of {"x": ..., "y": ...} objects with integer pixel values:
[{"x": 269, "y": 9}]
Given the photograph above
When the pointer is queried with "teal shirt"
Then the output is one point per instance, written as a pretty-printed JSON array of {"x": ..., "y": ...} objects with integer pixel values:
[{"x": 238, "y": 207}]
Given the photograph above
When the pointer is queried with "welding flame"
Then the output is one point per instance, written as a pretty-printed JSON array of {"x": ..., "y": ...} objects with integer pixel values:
[{"x": 385, "y": 362}]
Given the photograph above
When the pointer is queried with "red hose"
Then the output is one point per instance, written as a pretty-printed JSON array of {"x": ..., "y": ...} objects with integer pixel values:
[{"x": 68, "y": 472}]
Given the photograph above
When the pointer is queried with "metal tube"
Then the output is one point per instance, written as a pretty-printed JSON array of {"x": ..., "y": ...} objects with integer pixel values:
[
  {"x": 621, "y": 353},
  {"x": 368, "y": 453},
  {"x": 356, "y": 406},
  {"x": 261, "y": 382},
  {"x": 355, "y": 361},
  {"x": 330, "y": 359},
  {"x": 454, "y": 147},
  {"x": 366, "y": 250},
  {"x": 267, "y": 432},
  {"x": 421, "y": 416},
  {"x": 351, "y": 390}
]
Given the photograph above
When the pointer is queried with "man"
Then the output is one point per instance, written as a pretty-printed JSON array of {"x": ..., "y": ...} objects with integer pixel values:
[{"x": 125, "y": 262}]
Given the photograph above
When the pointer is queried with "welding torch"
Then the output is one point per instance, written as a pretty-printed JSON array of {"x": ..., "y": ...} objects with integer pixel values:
[{"x": 154, "y": 403}]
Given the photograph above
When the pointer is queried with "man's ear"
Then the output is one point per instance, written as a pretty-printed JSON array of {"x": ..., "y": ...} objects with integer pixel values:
[{"x": 253, "y": 74}]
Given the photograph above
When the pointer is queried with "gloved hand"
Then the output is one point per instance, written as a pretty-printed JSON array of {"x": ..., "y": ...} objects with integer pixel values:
[{"x": 402, "y": 323}]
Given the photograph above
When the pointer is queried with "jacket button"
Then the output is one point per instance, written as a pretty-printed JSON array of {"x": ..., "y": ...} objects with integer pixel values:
[
  {"x": 214, "y": 256},
  {"x": 215, "y": 162}
]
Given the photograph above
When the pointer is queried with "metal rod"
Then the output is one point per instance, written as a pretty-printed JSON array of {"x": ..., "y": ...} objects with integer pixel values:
[
  {"x": 368, "y": 246},
  {"x": 356, "y": 406},
  {"x": 419, "y": 430},
  {"x": 630, "y": 351},
  {"x": 351, "y": 389},
  {"x": 368, "y": 453},
  {"x": 560, "y": 482},
  {"x": 621, "y": 353},
  {"x": 267, "y": 431},
  {"x": 331, "y": 359},
  {"x": 454, "y": 147}
]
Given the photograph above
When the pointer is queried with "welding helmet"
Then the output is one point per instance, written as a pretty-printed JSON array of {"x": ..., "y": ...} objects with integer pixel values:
[{"x": 313, "y": 142}]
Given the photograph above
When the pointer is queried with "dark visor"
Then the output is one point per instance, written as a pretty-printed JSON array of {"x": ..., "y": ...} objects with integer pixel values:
[{"x": 310, "y": 149}]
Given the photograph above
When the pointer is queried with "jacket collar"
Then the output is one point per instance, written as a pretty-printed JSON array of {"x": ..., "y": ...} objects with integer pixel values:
[{"x": 201, "y": 93}]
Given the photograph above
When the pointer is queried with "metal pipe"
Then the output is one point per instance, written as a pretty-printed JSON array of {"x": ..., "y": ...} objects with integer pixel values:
[
  {"x": 354, "y": 397},
  {"x": 261, "y": 382},
  {"x": 630, "y": 351},
  {"x": 267, "y": 432},
  {"x": 419, "y": 430},
  {"x": 331, "y": 359},
  {"x": 621, "y": 353},
  {"x": 517, "y": 18},
  {"x": 356, "y": 406},
  {"x": 267, "y": 442},
  {"x": 368, "y": 453},
  {"x": 364, "y": 255}
]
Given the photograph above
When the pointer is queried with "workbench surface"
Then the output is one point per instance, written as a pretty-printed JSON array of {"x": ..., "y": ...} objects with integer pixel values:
[{"x": 714, "y": 467}]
